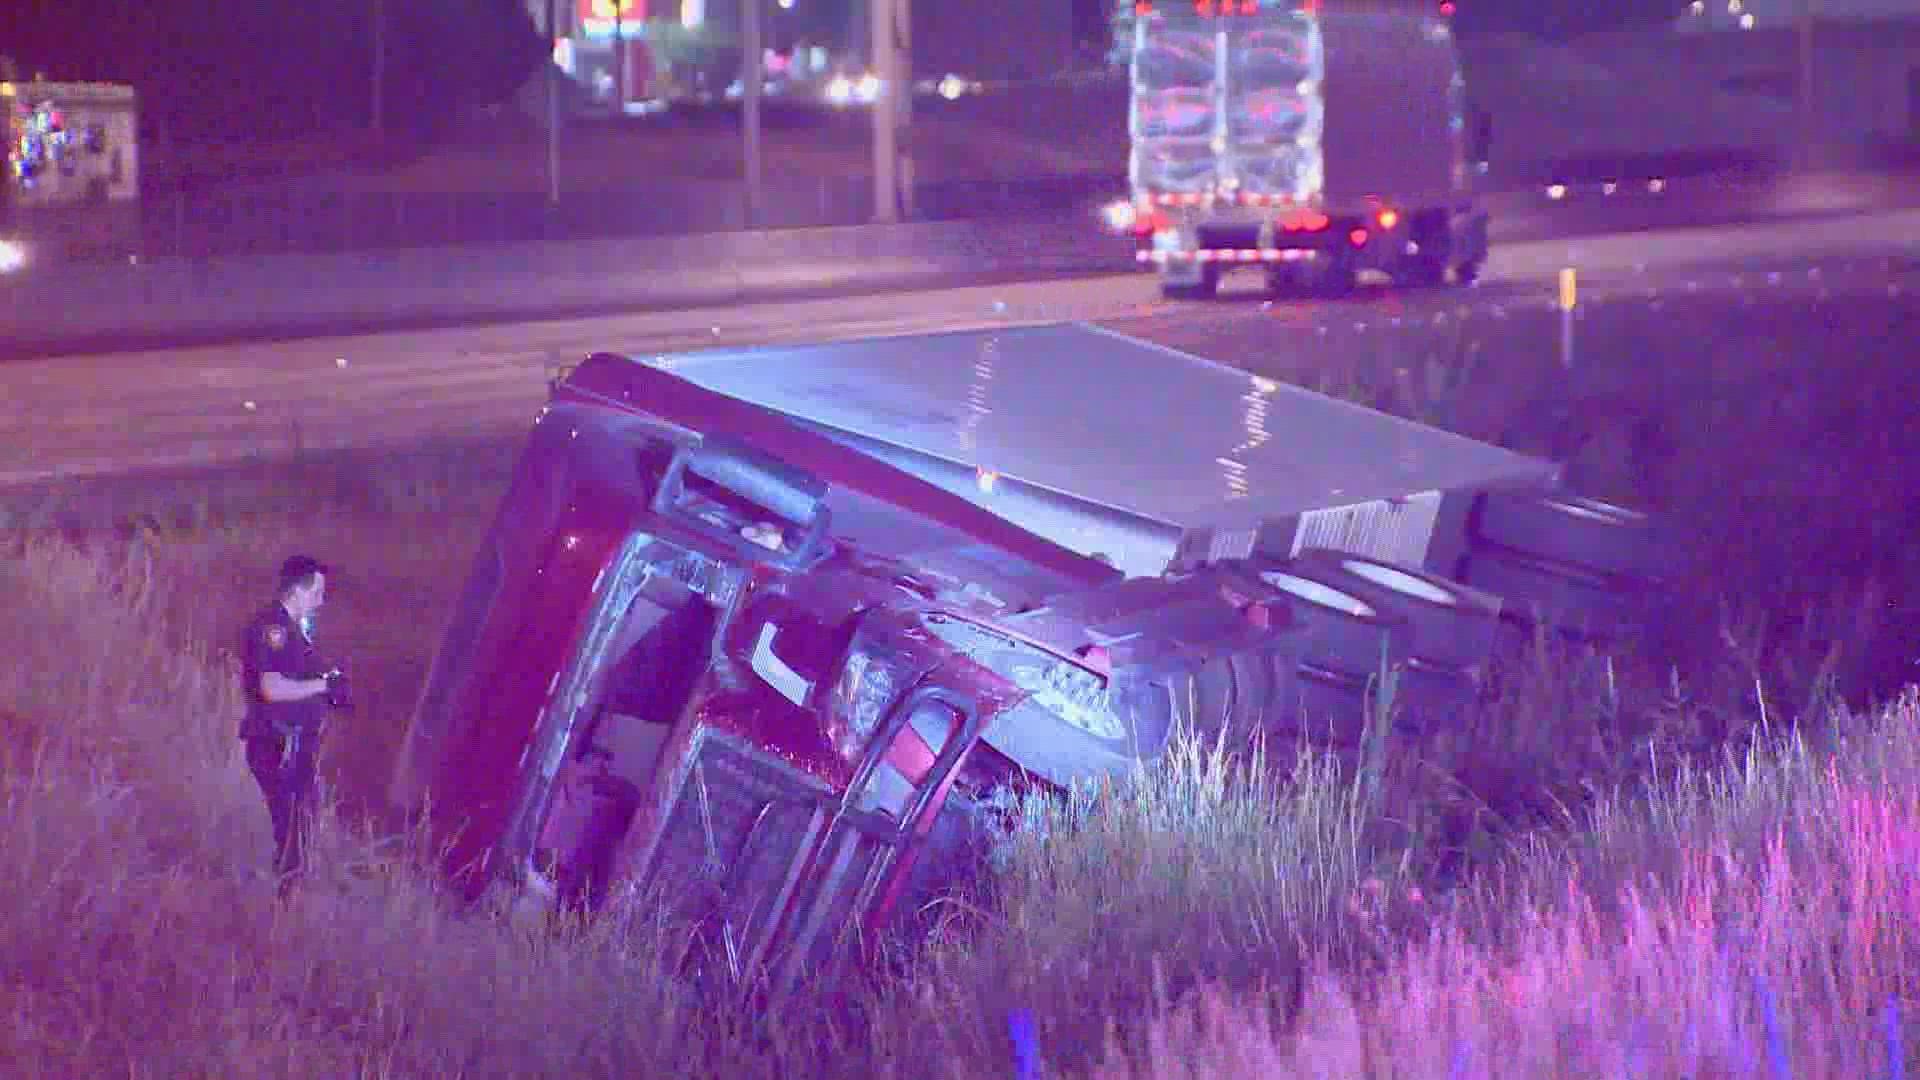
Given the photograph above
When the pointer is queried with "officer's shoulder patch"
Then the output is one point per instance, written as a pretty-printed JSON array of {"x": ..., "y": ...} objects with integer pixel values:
[{"x": 276, "y": 636}]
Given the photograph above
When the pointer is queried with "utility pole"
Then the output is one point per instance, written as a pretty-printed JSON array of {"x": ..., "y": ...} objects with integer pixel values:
[
  {"x": 903, "y": 122},
  {"x": 886, "y": 147},
  {"x": 1807, "y": 156},
  {"x": 619, "y": 59},
  {"x": 379, "y": 66},
  {"x": 553, "y": 105},
  {"x": 752, "y": 11}
]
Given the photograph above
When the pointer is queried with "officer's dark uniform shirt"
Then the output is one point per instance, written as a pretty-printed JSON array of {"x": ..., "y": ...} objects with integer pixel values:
[{"x": 274, "y": 643}]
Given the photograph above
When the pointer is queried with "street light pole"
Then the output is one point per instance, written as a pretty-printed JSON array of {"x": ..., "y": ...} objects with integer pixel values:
[
  {"x": 379, "y": 66},
  {"x": 619, "y": 59},
  {"x": 903, "y": 121},
  {"x": 752, "y": 12},
  {"x": 886, "y": 148},
  {"x": 1806, "y": 84},
  {"x": 553, "y": 104}
]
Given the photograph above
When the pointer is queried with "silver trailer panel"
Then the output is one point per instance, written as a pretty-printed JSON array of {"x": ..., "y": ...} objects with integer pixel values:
[{"x": 1109, "y": 445}]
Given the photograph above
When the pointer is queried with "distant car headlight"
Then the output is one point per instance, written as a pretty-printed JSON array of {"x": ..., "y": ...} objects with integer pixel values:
[
  {"x": 13, "y": 256},
  {"x": 868, "y": 88},
  {"x": 839, "y": 90},
  {"x": 1119, "y": 215}
]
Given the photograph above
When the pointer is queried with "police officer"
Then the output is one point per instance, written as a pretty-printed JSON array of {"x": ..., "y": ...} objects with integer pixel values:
[{"x": 289, "y": 690}]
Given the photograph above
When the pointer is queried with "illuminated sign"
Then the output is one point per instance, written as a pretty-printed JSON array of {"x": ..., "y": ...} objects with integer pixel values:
[
  {"x": 1211, "y": 8},
  {"x": 607, "y": 11}
]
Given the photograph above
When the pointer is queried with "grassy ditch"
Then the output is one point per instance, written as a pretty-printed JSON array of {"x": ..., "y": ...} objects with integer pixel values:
[
  {"x": 1684, "y": 856},
  {"x": 1208, "y": 920}
]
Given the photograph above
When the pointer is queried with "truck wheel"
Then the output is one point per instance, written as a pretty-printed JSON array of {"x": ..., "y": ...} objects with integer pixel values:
[
  {"x": 1324, "y": 707},
  {"x": 1283, "y": 280},
  {"x": 1203, "y": 703},
  {"x": 1428, "y": 698},
  {"x": 1421, "y": 272},
  {"x": 1337, "y": 278},
  {"x": 1342, "y": 631},
  {"x": 1583, "y": 605},
  {"x": 1453, "y": 625},
  {"x": 1204, "y": 289},
  {"x": 1575, "y": 531}
]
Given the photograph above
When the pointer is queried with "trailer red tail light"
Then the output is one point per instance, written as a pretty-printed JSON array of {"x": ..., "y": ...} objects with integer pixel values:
[{"x": 1358, "y": 237}]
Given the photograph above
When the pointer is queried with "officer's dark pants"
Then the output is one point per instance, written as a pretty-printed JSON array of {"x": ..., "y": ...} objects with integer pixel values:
[{"x": 287, "y": 782}]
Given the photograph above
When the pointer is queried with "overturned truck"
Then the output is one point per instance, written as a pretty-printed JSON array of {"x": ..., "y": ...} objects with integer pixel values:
[{"x": 771, "y": 638}]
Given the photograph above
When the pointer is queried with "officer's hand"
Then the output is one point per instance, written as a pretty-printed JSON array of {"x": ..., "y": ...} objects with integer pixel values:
[{"x": 339, "y": 696}]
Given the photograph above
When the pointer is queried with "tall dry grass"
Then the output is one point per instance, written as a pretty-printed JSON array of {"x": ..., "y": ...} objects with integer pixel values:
[
  {"x": 1709, "y": 924},
  {"x": 1757, "y": 919}
]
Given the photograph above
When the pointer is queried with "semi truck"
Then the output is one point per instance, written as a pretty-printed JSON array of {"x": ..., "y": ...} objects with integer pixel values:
[
  {"x": 72, "y": 183},
  {"x": 772, "y": 639},
  {"x": 1309, "y": 143}
]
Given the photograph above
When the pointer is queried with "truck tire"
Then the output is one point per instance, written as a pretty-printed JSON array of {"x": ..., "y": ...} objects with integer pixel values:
[
  {"x": 1453, "y": 626},
  {"x": 1584, "y": 605},
  {"x": 1422, "y": 271},
  {"x": 1205, "y": 289},
  {"x": 1428, "y": 699},
  {"x": 1341, "y": 631},
  {"x": 1575, "y": 531},
  {"x": 1322, "y": 707},
  {"x": 1204, "y": 703},
  {"x": 1336, "y": 277},
  {"x": 1233, "y": 699}
]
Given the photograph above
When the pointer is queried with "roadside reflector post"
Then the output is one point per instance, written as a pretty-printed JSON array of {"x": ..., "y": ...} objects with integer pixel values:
[{"x": 1569, "y": 299}]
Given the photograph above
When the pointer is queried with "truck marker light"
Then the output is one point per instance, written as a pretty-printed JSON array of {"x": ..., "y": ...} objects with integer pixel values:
[{"x": 1389, "y": 218}]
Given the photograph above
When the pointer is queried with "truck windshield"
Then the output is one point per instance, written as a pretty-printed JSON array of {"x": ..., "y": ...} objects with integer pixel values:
[{"x": 1057, "y": 686}]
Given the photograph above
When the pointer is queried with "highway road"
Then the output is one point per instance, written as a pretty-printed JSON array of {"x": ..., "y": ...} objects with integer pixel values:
[{"x": 106, "y": 413}]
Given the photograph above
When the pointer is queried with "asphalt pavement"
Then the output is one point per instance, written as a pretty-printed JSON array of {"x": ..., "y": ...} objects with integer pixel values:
[{"x": 108, "y": 413}]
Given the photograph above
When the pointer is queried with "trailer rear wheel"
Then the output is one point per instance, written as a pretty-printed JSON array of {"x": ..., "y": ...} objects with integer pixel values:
[
  {"x": 1582, "y": 605},
  {"x": 1576, "y": 531},
  {"x": 1421, "y": 271},
  {"x": 1453, "y": 626},
  {"x": 1342, "y": 631},
  {"x": 1204, "y": 289}
]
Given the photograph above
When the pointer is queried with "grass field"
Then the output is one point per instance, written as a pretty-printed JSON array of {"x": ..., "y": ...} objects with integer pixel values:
[{"x": 1684, "y": 857}]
